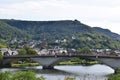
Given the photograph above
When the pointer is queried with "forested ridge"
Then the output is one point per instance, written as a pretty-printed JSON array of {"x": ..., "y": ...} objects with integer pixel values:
[{"x": 84, "y": 35}]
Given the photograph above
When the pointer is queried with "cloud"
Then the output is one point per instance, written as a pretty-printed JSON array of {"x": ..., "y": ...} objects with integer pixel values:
[
  {"x": 114, "y": 27},
  {"x": 103, "y": 13},
  {"x": 101, "y": 3}
]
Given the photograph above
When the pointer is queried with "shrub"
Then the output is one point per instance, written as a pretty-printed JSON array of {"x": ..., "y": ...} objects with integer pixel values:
[
  {"x": 20, "y": 75},
  {"x": 22, "y": 52}
]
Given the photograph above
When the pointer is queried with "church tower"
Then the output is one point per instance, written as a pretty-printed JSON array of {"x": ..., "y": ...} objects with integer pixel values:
[{"x": 44, "y": 42}]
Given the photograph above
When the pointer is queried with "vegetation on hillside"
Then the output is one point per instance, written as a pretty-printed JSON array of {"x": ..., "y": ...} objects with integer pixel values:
[
  {"x": 8, "y": 32},
  {"x": 84, "y": 35},
  {"x": 1, "y": 56},
  {"x": 93, "y": 41},
  {"x": 60, "y": 29},
  {"x": 3, "y": 43}
]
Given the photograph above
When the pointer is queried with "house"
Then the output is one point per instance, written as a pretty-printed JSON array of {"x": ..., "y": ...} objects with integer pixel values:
[
  {"x": 43, "y": 52},
  {"x": 8, "y": 52}
]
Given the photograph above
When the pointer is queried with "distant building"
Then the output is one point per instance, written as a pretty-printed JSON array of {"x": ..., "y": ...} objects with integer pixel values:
[
  {"x": 6, "y": 51},
  {"x": 54, "y": 51}
]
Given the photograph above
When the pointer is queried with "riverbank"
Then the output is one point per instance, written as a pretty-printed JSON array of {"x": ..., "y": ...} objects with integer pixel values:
[
  {"x": 115, "y": 76},
  {"x": 74, "y": 61},
  {"x": 24, "y": 75},
  {"x": 20, "y": 75},
  {"x": 78, "y": 63},
  {"x": 15, "y": 65}
]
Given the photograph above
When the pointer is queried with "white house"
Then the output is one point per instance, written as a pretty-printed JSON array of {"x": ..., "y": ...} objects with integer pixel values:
[{"x": 6, "y": 51}]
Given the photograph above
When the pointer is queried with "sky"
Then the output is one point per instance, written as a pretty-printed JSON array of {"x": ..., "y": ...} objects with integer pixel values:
[{"x": 95, "y": 13}]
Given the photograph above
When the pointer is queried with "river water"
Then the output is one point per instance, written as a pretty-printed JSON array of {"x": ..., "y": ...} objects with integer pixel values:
[{"x": 94, "y": 72}]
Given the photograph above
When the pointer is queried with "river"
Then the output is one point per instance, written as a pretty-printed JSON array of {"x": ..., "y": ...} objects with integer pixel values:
[{"x": 94, "y": 72}]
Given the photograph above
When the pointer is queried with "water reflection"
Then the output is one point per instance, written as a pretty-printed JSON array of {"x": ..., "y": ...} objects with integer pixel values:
[{"x": 95, "y": 72}]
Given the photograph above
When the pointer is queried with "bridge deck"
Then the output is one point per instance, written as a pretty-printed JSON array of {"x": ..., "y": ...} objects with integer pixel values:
[{"x": 78, "y": 55}]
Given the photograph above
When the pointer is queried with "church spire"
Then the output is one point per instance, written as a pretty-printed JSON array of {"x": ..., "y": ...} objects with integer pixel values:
[{"x": 44, "y": 43}]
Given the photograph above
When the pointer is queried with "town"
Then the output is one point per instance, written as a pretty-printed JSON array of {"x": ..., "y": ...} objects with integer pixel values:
[{"x": 41, "y": 48}]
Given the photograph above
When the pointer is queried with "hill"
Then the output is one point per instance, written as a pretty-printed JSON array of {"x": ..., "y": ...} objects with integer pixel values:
[
  {"x": 7, "y": 32},
  {"x": 84, "y": 35},
  {"x": 59, "y": 29},
  {"x": 107, "y": 32}
]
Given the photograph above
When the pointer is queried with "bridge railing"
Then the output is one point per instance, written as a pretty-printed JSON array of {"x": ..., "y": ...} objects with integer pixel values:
[{"x": 55, "y": 55}]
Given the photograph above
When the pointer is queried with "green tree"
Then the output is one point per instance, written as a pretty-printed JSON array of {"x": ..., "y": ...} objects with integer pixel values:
[
  {"x": 114, "y": 77},
  {"x": 27, "y": 50},
  {"x": 31, "y": 51},
  {"x": 20, "y": 75},
  {"x": 1, "y": 56},
  {"x": 84, "y": 51},
  {"x": 113, "y": 53},
  {"x": 26, "y": 75},
  {"x": 5, "y": 76},
  {"x": 22, "y": 52}
]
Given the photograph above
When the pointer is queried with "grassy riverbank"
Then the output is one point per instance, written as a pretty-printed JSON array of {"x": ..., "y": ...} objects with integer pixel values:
[
  {"x": 61, "y": 63},
  {"x": 74, "y": 61},
  {"x": 20, "y": 75},
  {"x": 115, "y": 76},
  {"x": 25, "y": 75},
  {"x": 77, "y": 63},
  {"x": 24, "y": 64}
]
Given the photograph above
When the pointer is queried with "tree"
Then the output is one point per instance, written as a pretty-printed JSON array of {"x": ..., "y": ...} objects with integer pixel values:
[
  {"x": 27, "y": 50},
  {"x": 114, "y": 77},
  {"x": 26, "y": 75},
  {"x": 22, "y": 52},
  {"x": 113, "y": 53},
  {"x": 20, "y": 75},
  {"x": 5, "y": 76},
  {"x": 31, "y": 51},
  {"x": 84, "y": 51},
  {"x": 1, "y": 56}
]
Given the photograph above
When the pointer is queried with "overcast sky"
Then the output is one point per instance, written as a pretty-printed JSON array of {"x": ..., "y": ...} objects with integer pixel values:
[{"x": 101, "y": 13}]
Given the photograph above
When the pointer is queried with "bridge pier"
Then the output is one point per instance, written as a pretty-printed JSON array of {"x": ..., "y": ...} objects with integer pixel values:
[
  {"x": 47, "y": 62},
  {"x": 48, "y": 67},
  {"x": 116, "y": 71}
]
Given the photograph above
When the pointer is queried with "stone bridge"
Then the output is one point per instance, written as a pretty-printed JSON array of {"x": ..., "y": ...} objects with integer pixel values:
[{"x": 49, "y": 61}]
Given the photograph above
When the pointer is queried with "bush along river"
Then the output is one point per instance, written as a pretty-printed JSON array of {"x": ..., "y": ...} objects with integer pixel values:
[
  {"x": 115, "y": 76},
  {"x": 76, "y": 72}
]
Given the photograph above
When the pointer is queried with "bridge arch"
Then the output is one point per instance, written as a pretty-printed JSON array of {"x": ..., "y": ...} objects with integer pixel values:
[{"x": 49, "y": 61}]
